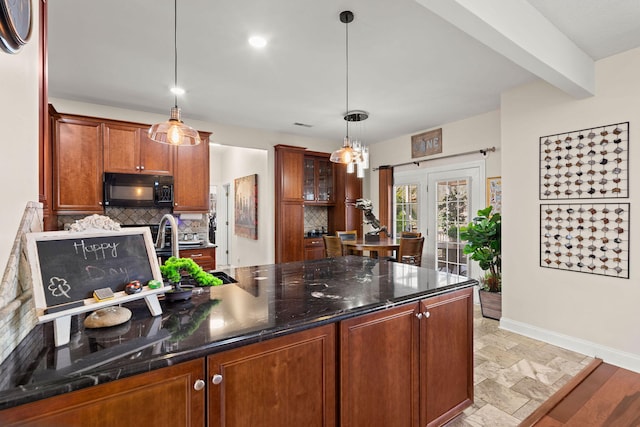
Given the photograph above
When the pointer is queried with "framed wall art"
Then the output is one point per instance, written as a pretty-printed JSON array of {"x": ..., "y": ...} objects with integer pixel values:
[
  {"x": 494, "y": 193},
  {"x": 246, "y": 206},
  {"x": 426, "y": 143}
]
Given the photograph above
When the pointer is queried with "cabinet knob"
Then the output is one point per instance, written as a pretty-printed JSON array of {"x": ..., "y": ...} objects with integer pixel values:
[
  {"x": 198, "y": 385},
  {"x": 419, "y": 315},
  {"x": 141, "y": 168},
  {"x": 100, "y": 203},
  {"x": 217, "y": 379},
  {"x": 427, "y": 314},
  {"x": 137, "y": 168}
]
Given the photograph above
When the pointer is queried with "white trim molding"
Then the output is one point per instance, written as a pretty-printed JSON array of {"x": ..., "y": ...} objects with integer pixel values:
[{"x": 610, "y": 355}]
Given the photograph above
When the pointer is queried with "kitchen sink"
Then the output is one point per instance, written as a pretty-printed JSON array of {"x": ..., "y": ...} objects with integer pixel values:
[{"x": 223, "y": 276}]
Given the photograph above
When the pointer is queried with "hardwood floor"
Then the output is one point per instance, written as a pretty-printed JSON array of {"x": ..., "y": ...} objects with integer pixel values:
[{"x": 601, "y": 395}]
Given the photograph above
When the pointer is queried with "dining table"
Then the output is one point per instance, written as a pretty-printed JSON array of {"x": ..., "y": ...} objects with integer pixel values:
[{"x": 376, "y": 249}]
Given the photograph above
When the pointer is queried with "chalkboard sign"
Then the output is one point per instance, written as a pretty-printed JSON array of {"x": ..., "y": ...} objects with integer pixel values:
[{"x": 67, "y": 267}]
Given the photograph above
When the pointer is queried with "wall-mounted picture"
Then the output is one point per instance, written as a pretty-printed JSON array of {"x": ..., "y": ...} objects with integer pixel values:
[
  {"x": 246, "y": 206},
  {"x": 494, "y": 193},
  {"x": 426, "y": 143}
]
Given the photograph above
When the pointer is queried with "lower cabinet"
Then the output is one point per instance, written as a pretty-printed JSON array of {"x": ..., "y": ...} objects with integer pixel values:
[
  {"x": 408, "y": 366},
  {"x": 313, "y": 248},
  {"x": 173, "y": 396},
  {"x": 287, "y": 381},
  {"x": 204, "y": 257}
]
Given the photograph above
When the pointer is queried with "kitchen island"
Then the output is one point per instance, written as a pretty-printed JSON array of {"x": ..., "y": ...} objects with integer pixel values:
[{"x": 337, "y": 341}]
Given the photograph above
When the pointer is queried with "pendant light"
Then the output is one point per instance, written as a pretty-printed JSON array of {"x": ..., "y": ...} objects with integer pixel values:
[
  {"x": 346, "y": 154},
  {"x": 174, "y": 131}
]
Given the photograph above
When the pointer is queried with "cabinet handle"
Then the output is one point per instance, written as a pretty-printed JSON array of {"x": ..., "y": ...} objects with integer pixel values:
[
  {"x": 196, "y": 255},
  {"x": 217, "y": 379},
  {"x": 100, "y": 203},
  {"x": 137, "y": 168},
  {"x": 419, "y": 315},
  {"x": 198, "y": 385},
  {"x": 427, "y": 314},
  {"x": 141, "y": 168}
]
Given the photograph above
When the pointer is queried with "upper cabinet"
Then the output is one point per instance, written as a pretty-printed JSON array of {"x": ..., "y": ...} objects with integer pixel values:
[
  {"x": 83, "y": 148},
  {"x": 318, "y": 180},
  {"x": 77, "y": 165},
  {"x": 191, "y": 177},
  {"x": 128, "y": 149}
]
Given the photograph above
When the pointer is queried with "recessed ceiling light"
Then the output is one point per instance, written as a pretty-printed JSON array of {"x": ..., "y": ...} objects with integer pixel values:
[
  {"x": 177, "y": 91},
  {"x": 257, "y": 41}
]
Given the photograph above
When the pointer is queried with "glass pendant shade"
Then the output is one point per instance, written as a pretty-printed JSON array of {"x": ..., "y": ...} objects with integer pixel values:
[
  {"x": 346, "y": 154},
  {"x": 174, "y": 131}
]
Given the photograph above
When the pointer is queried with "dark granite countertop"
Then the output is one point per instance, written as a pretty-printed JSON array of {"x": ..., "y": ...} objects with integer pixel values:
[{"x": 267, "y": 301}]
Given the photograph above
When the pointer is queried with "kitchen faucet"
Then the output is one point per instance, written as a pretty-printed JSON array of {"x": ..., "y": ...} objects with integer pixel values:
[{"x": 174, "y": 234}]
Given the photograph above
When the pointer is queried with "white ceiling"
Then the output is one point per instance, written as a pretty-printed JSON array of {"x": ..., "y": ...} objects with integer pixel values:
[{"x": 411, "y": 65}]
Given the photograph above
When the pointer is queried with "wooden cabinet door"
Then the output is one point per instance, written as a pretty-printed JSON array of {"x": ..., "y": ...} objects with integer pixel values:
[
  {"x": 164, "y": 397},
  {"x": 77, "y": 166},
  {"x": 191, "y": 178},
  {"x": 379, "y": 368},
  {"x": 204, "y": 257},
  {"x": 157, "y": 158},
  {"x": 121, "y": 148},
  {"x": 290, "y": 232},
  {"x": 446, "y": 342},
  {"x": 287, "y": 381},
  {"x": 313, "y": 248},
  {"x": 289, "y": 173}
]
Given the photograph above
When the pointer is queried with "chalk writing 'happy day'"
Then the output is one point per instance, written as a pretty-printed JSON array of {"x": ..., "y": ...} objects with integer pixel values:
[{"x": 98, "y": 250}]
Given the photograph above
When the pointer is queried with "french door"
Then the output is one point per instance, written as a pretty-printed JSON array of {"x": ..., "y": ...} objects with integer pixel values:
[{"x": 437, "y": 202}]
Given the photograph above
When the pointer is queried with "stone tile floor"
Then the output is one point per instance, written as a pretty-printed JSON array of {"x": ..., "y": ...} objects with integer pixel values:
[{"x": 513, "y": 375}]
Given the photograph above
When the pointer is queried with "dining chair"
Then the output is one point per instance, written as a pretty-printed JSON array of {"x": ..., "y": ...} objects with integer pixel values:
[
  {"x": 410, "y": 251},
  {"x": 410, "y": 234},
  {"x": 348, "y": 235},
  {"x": 332, "y": 246}
]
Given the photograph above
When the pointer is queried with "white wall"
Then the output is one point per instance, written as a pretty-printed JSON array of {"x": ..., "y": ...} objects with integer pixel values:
[
  {"x": 19, "y": 137},
  {"x": 236, "y": 162},
  {"x": 592, "y": 314}
]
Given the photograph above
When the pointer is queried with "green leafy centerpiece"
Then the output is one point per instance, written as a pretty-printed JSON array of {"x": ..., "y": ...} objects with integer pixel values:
[{"x": 173, "y": 270}]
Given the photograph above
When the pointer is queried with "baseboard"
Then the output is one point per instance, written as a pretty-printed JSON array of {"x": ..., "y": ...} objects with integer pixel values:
[{"x": 610, "y": 355}]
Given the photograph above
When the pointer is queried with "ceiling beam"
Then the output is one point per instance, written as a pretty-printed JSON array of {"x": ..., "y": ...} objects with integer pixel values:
[{"x": 516, "y": 30}]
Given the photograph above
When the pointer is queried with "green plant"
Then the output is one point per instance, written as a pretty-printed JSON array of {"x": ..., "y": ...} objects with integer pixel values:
[
  {"x": 172, "y": 268},
  {"x": 484, "y": 243}
]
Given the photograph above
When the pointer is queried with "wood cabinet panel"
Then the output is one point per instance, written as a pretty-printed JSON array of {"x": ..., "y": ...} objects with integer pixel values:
[
  {"x": 191, "y": 177},
  {"x": 77, "y": 165},
  {"x": 379, "y": 368},
  {"x": 290, "y": 232},
  {"x": 289, "y": 208},
  {"x": 156, "y": 158},
  {"x": 313, "y": 248},
  {"x": 121, "y": 148},
  {"x": 287, "y": 381},
  {"x": 162, "y": 397},
  {"x": 446, "y": 342},
  {"x": 289, "y": 173},
  {"x": 204, "y": 257}
]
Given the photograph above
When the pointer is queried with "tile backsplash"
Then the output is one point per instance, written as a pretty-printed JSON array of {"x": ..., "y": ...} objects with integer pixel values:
[
  {"x": 143, "y": 216},
  {"x": 315, "y": 217}
]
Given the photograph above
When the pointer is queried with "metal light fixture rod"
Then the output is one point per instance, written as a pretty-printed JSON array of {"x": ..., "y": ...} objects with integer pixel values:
[{"x": 174, "y": 131}]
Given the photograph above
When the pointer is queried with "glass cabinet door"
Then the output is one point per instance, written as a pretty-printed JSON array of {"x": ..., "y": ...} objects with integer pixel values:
[
  {"x": 325, "y": 180},
  {"x": 309, "y": 180}
]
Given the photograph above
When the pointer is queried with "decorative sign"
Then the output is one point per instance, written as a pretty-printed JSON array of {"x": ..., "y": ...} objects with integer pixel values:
[
  {"x": 427, "y": 143},
  {"x": 68, "y": 266},
  {"x": 246, "y": 206}
]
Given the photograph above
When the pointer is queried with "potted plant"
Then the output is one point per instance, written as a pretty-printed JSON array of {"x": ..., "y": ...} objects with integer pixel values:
[
  {"x": 176, "y": 269},
  {"x": 484, "y": 245}
]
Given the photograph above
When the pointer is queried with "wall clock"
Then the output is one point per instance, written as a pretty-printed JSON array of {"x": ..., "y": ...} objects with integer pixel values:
[{"x": 15, "y": 24}]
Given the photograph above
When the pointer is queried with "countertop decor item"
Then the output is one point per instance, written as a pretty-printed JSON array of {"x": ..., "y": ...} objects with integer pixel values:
[
  {"x": 174, "y": 131},
  {"x": 15, "y": 24},
  {"x": 173, "y": 267}
]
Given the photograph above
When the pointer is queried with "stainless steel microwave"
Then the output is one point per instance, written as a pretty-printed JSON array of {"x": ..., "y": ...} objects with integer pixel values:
[{"x": 138, "y": 190}]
